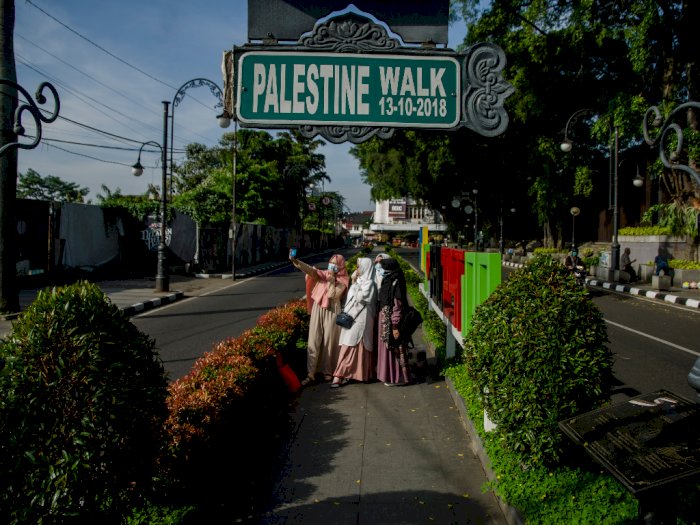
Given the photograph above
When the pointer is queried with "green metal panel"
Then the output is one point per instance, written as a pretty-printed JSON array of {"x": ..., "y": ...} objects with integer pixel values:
[{"x": 482, "y": 275}]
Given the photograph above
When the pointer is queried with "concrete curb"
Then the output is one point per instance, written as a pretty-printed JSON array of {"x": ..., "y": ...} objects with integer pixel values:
[
  {"x": 631, "y": 290},
  {"x": 651, "y": 294},
  {"x": 248, "y": 272},
  {"x": 512, "y": 515},
  {"x": 153, "y": 303}
]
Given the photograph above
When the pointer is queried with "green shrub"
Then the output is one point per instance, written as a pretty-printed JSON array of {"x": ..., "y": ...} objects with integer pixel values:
[
  {"x": 82, "y": 403},
  {"x": 684, "y": 264},
  {"x": 547, "y": 251},
  {"x": 645, "y": 230},
  {"x": 538, "y": 348}
]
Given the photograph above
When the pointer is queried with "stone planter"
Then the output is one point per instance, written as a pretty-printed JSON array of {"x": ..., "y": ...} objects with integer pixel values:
[
  {"x": 680, "y": 276},
  {"x": 645, "y": 247},
  {"x": 661, "y": 282},
  {"x": 645, "y": 272}
]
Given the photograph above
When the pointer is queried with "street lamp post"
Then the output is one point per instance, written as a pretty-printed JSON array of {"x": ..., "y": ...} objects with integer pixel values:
[
  {"x": 574, "y": 213},
  {"x": 566, "y": 146},
  {"x": 675, "y": 161},
  {"x": 9, "y": 294},
  {"x": 468, "y": 209},
  {"x": 501, "y": 242},
  {"x": 224, "y": 121},
  {"x": 162, "y": 277}
]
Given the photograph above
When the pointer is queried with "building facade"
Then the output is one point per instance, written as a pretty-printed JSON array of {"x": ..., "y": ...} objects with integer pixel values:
[{"x": 404, "y": 217}]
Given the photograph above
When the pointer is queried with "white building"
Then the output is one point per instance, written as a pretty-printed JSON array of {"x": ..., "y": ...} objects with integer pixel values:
[{"x": 405, "y": 215}]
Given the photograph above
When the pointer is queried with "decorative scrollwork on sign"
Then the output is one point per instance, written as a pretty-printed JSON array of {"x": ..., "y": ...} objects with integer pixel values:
[
  {"x": 340, "y": 134},
  {"x": 198, "y": 82},
  {"x": 350, "y": 33},
  {"x": 675, "y": 160},
  {"x": 485, "y": 90},
  {"x": 34, "y": 111}
]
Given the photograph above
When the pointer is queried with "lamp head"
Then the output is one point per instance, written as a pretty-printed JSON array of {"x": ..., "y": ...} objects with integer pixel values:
[
  {"x": 566, "y": 145},
  {"x": 224, "y": 120},
  {"x": 455, "y": 202},
  {"x": 137, "y": 169}
]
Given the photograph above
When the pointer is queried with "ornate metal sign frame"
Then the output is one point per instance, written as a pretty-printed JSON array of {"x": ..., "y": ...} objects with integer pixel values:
[{"x": 483, "y": 88}]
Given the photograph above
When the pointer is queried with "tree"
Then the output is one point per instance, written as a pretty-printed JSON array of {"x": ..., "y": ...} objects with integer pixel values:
[
  {"x": 31, "y": 185},
  {"x": 271, "y": 177},
  {"x": 138, "y": 206},
  {"x": 616, "y": 58}
]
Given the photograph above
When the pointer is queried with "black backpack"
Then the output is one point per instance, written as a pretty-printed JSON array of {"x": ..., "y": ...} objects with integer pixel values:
[{"x": 412, "y": 319}]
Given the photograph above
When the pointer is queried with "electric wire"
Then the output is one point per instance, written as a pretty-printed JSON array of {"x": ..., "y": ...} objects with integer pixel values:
[
  {"x": 107, "y": 51},
  {"x": 51, "y": 143},
  {"x": 27, "y": 63},
  {"x": 99, "y": 46}
]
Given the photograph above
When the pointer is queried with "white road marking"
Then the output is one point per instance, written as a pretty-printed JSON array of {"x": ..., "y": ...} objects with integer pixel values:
[{"x": 657, "y": 339}]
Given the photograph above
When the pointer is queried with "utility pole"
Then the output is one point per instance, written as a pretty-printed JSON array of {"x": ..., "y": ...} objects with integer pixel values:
[{"x": 9, "y": 295}]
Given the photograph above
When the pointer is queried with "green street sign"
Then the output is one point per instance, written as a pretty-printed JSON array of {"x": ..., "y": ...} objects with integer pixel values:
[{"x": 298, "y": 88}]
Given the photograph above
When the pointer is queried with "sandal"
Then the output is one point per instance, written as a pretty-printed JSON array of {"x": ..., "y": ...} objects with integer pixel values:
[
  {"x": 307, "y": 381},
  {"x": 327, "y": 377},
  {"x": 343, "y": 381}
]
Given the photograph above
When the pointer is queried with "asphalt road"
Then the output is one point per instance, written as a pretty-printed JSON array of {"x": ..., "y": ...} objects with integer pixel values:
[
  {"x": 654, "y": 344},
  {"x": 187, "y": 329}
]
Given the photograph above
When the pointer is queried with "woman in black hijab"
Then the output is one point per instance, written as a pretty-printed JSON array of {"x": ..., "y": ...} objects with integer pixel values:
[{"x": 392, "y": 351}]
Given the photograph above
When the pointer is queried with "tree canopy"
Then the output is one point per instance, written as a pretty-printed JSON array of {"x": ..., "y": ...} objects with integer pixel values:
[
  {"x": 32, "y": 185},
  {"x": 615, "y": 59},
  {"x": 272, "y": 179}
]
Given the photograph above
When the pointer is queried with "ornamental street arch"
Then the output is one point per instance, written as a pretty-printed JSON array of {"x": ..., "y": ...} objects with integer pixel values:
[{"x": 350, "y": 77}]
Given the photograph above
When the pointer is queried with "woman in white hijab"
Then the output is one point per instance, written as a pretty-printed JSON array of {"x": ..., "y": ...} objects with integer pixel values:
[{"x": 357, "y": 342}]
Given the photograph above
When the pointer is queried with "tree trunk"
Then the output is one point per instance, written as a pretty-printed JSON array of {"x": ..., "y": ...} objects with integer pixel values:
[
  {"x": 547, "y": 240},
  {"x": 9, "y": 298}
]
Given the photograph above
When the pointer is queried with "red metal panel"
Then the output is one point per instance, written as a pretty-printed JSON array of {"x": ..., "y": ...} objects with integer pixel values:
[{"x": 452, "y": 271}]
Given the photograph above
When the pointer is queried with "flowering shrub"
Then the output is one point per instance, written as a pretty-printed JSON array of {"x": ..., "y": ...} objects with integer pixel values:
[{"x": 229, "y": 387}]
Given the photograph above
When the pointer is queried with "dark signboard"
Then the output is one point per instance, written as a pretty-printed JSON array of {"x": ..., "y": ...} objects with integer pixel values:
[
  {"x": 646, "y": 442},
  {"x": 416, "y": 21},
  {"x": 397, "y": 209}
]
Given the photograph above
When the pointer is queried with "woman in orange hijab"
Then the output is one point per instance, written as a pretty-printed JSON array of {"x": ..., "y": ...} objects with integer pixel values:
[{"x": 327, "y": 294}]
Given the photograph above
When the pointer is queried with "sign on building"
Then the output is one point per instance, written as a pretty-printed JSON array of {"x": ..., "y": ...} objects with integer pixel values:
[{"x": 397, "y": 209}]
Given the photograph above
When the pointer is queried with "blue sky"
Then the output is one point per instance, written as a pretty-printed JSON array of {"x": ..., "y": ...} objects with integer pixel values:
[{"x": 113, "y": 63}]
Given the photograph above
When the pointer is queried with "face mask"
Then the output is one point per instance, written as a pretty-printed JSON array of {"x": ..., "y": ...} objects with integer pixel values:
[
  {"x": 333, "y": 267},
  {"x": 379, "y": 269}
]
